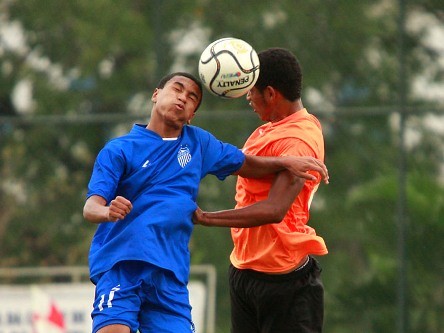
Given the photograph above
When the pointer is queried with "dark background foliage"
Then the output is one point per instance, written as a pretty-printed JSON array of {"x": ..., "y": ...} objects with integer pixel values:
[{"x": 93, "y": 65}]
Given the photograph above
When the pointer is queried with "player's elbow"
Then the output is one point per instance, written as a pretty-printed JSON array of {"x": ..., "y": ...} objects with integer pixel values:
[
  {"x": 276, "y": 214},
  {"x": 86, "y": 214}
]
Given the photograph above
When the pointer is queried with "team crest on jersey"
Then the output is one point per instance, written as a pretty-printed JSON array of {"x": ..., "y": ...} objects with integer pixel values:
[{"x": 183, "y": 156}]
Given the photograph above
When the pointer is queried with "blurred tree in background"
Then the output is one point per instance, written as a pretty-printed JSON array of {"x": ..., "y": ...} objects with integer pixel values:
[{"x": 74, "y": 74}]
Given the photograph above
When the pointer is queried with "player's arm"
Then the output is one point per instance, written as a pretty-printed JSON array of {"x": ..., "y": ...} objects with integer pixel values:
[
  {"x": 283, "y": 192},
  {"x": 260, "y": 166},
  {"x": 96, "y": 210}
]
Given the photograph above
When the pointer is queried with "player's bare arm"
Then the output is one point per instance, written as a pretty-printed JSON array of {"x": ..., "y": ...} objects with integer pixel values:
[
  {"x": 259, "y": 166},
  {"x": 96, "y": 210},
  {"x": 283, "y": 192}
]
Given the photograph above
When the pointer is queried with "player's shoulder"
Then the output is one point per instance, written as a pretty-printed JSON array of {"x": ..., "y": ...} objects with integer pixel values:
[
  {"x": 118, "y": 140},
  {"x": 198, "y": 132},
  {"x": 193, "y": 128},
  {"x": 137, "y": 132}
]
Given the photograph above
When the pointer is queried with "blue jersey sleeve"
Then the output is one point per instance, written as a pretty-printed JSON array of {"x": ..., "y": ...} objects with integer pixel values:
[
  {"x": 108, "y": 169},
  {"x": 221, "y": 159}
]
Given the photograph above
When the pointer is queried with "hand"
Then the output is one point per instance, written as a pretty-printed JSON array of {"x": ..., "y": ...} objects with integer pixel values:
[
  {"x": 119, "y": 208},
  {"x": 197, "y": 216},
  {"x": 300, "y": 165}
]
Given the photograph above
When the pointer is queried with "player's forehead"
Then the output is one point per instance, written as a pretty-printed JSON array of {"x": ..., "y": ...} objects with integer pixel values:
[{"x": 186, "y": 83}]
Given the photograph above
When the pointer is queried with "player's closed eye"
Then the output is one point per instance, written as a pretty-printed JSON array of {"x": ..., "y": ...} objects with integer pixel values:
[{"x": 194, "y": 98}]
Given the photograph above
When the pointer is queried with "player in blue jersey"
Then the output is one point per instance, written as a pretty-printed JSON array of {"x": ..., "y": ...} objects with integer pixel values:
[{"x": 142, "y": 194}]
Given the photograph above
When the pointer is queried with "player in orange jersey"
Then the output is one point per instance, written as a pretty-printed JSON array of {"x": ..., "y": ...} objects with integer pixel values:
[{"x": 275, "y": 283}]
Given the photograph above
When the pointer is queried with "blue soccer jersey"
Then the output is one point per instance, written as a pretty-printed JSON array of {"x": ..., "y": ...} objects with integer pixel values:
[{"x": 161, "y": 178}]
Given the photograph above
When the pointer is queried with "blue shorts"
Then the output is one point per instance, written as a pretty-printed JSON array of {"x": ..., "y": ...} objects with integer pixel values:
[{"x": 143, "y": 297}]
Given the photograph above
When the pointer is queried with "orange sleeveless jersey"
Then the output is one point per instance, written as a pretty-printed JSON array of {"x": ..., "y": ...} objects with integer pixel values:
[{"x": 275, "y": 248}]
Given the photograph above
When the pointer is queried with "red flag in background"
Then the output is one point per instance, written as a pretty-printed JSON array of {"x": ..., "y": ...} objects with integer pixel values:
[{"x": 46, "y": 315}]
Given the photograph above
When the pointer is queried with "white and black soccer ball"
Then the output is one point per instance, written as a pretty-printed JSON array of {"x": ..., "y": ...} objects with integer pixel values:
[{"x": 229, "y": 67}]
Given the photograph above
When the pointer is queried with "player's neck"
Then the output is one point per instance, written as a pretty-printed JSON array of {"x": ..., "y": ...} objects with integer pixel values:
[
  {"x": 287, "y": 108},
  {"x": 164, "y": 130}
]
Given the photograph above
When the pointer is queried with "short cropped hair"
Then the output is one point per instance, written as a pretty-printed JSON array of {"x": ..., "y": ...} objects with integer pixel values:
[
  {"x": 280, "y": 69},
  {"x": 168, "y": 77}
]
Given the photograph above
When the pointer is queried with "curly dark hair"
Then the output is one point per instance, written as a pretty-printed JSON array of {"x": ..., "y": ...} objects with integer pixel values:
[{"x": 280, "y": 69}]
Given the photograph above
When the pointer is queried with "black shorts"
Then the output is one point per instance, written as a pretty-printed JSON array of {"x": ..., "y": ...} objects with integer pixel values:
[{"x": 264, "y": 303}]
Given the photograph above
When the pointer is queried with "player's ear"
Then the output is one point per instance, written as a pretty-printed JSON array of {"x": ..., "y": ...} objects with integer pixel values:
[
  {"x": 189, "y": 120},
  {"x": 154, "y": 97},
  {"x": 269, "y": 93}
]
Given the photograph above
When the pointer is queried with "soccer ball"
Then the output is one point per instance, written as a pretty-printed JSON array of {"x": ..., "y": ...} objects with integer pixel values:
[{"x": 229, "y": 67}]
